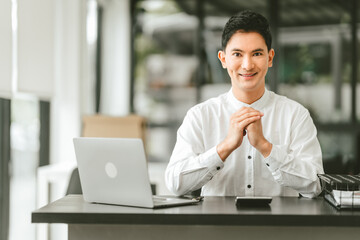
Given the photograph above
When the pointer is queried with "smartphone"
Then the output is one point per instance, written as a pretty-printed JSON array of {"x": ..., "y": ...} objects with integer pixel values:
[{"x": 253, "y": 201}]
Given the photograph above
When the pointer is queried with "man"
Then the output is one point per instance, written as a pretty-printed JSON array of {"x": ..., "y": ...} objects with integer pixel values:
[{"x": 248, "y": 141}]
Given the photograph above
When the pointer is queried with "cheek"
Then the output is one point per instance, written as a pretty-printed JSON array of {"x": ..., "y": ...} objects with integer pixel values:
[
  {"x": 232, "y": 65},
  {"x": 230, "y": 72},
  {"x": 264, "y": 64}
]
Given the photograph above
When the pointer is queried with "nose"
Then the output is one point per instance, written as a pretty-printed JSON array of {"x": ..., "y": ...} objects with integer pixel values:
[{"x": 247, "y": 63}]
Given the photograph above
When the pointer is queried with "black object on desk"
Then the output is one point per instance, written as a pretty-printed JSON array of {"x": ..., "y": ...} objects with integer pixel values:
[{"x": 253, "y": 201}]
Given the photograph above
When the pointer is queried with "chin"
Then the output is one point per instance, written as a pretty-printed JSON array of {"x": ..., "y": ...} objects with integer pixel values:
[{"x": 249, "y": 87}]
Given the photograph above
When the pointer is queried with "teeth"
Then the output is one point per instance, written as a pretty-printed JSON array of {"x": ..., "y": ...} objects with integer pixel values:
[{"x": 247, "y": 75}]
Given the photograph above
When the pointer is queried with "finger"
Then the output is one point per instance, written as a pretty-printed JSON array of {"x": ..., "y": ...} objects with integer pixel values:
[
  {"x": 243, "y": 124},
  {"x": 246, "y": 110},
  {"x": 238, "y": 119}
]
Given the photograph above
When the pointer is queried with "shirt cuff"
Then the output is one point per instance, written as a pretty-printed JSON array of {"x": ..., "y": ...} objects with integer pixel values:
[
  {"x": 274, "y": 160},
  {"x": 212, "y": 161}
]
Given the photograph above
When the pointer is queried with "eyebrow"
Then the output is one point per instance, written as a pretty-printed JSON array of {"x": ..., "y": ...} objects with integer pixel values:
[{"x": 255, "y": 50}]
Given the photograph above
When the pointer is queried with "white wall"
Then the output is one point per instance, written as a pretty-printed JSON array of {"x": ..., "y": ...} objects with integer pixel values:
[
  {"x": 73, "y": 81},
  {"x": 5, "y": 48},
  {"x": 115, "y": 90},
  {"x": 36, "y": 20},
  {"x": 53, "y": 64},
  {"x": 65, "y": 101}
]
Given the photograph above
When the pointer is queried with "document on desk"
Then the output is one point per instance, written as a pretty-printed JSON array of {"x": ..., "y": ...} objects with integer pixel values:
[
  {"x": 348, "y": 198},
  {"x": 341, "y": 190}
]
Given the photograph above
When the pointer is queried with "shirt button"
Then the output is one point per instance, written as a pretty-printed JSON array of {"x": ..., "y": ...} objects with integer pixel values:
[
  {"x": 217, "y": 168},
  {"x": 249, "y": 157},
  {"x": 249, "y": 186},
  {"x": 267, "y": 164}
]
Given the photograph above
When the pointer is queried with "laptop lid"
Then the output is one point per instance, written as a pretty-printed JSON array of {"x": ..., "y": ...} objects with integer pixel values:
[{"x": 114, "y": 171}]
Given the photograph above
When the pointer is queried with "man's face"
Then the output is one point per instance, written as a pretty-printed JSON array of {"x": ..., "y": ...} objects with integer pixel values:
[{"x": 247, "y": 60}]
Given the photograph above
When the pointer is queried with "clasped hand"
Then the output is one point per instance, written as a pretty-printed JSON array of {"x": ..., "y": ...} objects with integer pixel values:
[{"x": 246, "y": 121}]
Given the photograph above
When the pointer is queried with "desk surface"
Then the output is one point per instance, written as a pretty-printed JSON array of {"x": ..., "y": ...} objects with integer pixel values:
[{"x": 283, "y": 211}]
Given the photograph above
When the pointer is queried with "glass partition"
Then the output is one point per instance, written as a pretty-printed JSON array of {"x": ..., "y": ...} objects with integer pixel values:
[
  {"x": 165, "y": 68},
  {"x": 176, "y": 65}
]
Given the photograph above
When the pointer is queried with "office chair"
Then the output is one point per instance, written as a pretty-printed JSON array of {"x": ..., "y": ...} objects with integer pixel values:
[{"x": 74, "y": 186}]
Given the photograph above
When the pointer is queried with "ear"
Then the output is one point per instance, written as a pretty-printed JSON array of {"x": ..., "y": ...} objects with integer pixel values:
[
  {"x": 271, "y": 57},
  {"x": 221, "y": 56}
]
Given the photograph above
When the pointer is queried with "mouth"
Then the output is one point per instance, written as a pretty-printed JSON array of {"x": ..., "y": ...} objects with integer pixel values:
[{"x": 247, "y": 75}]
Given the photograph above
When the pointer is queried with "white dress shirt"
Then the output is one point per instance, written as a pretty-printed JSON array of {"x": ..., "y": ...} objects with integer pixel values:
[{"x": 290, "y": 169}]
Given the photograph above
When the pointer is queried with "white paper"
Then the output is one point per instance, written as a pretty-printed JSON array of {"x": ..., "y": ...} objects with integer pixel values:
[{"x": 349, "y": 198}]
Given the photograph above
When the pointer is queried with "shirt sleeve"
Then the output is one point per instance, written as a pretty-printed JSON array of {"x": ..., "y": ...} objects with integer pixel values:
[
  {"x": 191, "y": 166},
  {"x": 296, "y": 165}
]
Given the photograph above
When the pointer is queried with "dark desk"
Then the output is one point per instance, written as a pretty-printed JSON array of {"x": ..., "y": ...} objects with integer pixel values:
[{"x": 295, "y": 218}]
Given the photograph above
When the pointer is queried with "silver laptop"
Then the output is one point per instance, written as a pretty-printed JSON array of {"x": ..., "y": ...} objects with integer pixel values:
[{"x": 114, "y": 171}]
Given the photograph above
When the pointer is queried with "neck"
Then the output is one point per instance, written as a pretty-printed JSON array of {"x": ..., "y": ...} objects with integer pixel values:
[{"x": 248, "y": 97}]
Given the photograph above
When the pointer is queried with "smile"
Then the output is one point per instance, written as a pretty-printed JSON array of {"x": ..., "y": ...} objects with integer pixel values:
[{"x": 248, "y": 74}]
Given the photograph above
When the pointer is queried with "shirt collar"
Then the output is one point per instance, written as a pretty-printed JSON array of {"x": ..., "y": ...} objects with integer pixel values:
[{"x": 259, "y": 104}]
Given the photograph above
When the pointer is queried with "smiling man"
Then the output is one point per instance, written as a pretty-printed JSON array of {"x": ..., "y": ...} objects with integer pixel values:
[{"x": 248, "y": 141}]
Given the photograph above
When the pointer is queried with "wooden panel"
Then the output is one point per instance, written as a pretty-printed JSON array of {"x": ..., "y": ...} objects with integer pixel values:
[{"x": 131, "y": 126}]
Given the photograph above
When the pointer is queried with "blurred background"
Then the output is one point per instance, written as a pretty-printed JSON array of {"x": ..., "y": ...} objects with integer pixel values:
[{"x": 61, "y": 60}]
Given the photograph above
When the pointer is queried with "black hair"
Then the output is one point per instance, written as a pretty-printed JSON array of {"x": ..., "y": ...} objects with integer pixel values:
[{"x": 247, "y": 21}]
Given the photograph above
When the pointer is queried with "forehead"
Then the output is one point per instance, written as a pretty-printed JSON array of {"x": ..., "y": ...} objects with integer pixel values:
[{"x": 246, "y": 41}]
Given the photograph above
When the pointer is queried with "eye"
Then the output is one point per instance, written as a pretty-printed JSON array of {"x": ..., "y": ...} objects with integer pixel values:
[
  {"x": 236, "y": 54},
  {"x": 257, "y": 54}
]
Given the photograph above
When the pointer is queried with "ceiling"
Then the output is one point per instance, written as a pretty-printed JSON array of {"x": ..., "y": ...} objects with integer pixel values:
[
  {"x": 177, "y": 32},
  {"x": 290, "y": 13}
]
